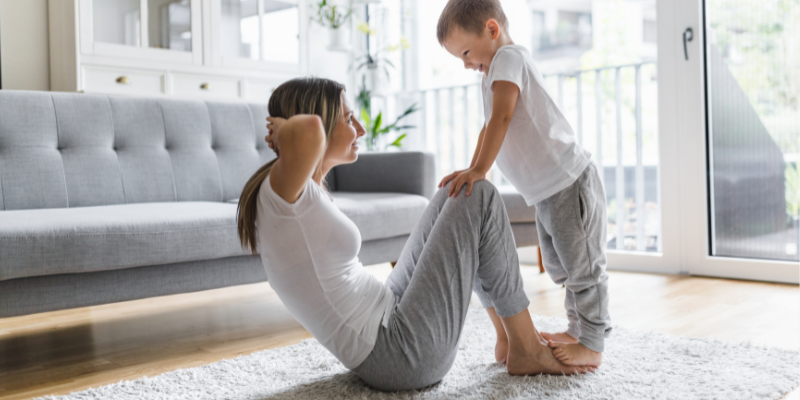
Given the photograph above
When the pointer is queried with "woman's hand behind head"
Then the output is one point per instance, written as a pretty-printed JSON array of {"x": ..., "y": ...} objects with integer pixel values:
[{"x": 273, "y": 126}]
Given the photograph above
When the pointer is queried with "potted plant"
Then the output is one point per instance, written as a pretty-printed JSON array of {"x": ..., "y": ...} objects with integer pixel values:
[
  {"x": 333, "y": 17},
  {"x": 374, "y": 127}
]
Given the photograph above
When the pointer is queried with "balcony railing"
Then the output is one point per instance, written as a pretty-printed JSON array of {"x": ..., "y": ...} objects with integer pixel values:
[{"x": 606, "y": 108}]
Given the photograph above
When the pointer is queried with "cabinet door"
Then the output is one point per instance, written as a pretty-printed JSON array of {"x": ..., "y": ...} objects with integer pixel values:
[
  {"x": 157, "y": 30},
  {"x": 268, "y": 34}
]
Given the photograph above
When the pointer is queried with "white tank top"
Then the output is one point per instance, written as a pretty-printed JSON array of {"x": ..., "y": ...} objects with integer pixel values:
[{"x": 310, "y": 252}]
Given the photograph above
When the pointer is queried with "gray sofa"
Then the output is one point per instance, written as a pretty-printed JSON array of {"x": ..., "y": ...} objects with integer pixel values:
[{"x": 109, "y": 198}]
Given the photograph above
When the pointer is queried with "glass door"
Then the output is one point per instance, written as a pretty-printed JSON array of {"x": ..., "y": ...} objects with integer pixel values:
[
  {"x": 753, "y": 85},
  {"x": 600, "y": 62},
  {"x": 736, "y": 96}
]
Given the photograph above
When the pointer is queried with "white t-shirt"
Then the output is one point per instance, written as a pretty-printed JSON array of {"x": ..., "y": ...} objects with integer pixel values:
[
  {"x": 539, "y": 155},
  {"x": 310, "y": 252}
]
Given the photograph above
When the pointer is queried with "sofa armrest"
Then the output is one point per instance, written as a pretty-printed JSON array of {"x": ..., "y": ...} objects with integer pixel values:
[{"x": 411, "y": 172}]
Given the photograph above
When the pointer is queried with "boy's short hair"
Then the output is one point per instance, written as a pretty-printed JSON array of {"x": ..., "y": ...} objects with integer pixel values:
[{"x": 469, "y": 15}]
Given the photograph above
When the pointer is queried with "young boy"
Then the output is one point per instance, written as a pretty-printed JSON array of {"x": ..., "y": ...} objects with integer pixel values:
[{"x": 535, "y": 148}]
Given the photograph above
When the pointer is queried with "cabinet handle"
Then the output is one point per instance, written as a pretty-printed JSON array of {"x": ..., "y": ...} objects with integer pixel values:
[
  {"x": 205, "y": 86},
  {"x": 123, "y": 80}
]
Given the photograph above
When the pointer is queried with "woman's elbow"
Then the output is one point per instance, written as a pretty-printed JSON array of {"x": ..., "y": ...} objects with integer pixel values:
[
  {"x": 313, "y": 128},
  {"x": 311, "y": 122},
  {"x": 308, "y": 128},
  {"x": 308, "y": 134}
]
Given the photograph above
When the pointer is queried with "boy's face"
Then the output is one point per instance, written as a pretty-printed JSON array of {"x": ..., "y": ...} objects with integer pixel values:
[{"x": 476, "y": 51}]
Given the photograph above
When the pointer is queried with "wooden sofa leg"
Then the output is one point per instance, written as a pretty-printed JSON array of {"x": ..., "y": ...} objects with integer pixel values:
[
  {"x": 541, "y": 266},
  {"x": 393, "y": 263}
]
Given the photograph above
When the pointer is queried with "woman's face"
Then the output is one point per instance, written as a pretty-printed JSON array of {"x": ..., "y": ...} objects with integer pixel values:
[{"x": 342, "y": 147}]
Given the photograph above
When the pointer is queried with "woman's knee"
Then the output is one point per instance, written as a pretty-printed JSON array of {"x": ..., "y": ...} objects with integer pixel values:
[{"x": 482, "y": 186}]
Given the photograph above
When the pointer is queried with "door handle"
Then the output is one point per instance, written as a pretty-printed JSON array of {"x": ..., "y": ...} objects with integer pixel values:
[{"x": 687, "y": 37}]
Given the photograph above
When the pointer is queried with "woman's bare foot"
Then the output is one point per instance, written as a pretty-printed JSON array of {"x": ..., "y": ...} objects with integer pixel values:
[
  {"x": 501, "y": 351},
  {"x": 576, "y": 354},
  {"x": 527, "y": 355},
  {"x": 540, "y": 338},
  {"x": 560, "y": 337},
  {"x": 501, "y": 348},
  {"x": 538, "y": 359}
]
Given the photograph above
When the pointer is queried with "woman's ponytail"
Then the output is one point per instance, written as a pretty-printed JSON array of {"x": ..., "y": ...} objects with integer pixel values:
[{"x": 248, "y": 206}]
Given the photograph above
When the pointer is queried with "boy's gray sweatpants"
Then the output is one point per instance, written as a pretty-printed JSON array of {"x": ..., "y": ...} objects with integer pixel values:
[
  {"x": 572, "y": 237},
  {"x": 456, "y": 242}
]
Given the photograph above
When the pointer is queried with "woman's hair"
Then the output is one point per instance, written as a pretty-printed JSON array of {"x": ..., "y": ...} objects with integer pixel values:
[{"x": 307, "y": 95}]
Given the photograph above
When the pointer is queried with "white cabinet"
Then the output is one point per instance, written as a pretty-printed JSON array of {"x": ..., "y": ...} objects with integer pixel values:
[{"x": 210, "y": 49}]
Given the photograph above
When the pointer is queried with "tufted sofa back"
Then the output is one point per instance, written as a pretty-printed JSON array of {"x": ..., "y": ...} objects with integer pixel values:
[{"x": 76, "y": 150}]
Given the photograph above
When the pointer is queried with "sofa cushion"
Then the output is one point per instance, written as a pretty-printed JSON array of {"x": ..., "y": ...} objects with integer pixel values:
[
  {"x": 381, "y": 215},
  {"x": 86, "y": 143},
  {"x": 86, "y": 239},
  {"x": 516, "y": 208},
  {"x": 60, "y": 150},
  {"x": 30, "y": 163}
]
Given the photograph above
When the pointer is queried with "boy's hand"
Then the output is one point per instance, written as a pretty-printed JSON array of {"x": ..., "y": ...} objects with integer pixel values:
[
  {"x": 449, "y": 178},
  {"x": 466, "y": 177}
]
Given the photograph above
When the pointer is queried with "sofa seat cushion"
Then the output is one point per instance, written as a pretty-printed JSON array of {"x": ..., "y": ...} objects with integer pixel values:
[
  {"x": 381, "y": 215},
  {"x": 516, "y": 208},
  {"x": 88, "y": 239}
]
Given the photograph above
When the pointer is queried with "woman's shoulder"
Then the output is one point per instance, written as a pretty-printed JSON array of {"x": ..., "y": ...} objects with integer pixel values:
[{"x": 311, "y": 194}]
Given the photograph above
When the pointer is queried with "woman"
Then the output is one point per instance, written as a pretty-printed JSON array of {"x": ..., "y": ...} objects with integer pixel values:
[{"x": 404, "y": 334}]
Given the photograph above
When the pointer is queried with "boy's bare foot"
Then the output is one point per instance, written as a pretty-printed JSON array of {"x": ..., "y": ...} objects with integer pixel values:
[
  {"x": 538, "y": 359},
  {"x": 501, "y": 351},
  {"x": 576, "y": 354},
  {"x": 560, "y": 337}
]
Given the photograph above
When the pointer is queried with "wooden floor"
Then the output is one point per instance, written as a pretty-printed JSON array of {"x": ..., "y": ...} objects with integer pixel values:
[{"x": 66, "y": 351}]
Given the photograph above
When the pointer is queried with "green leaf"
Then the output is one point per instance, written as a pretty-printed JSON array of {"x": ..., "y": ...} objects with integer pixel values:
[
  {"x": 377, "y": 126},
  {"x": 406, "y": 113},
  {"x": 397, "y": 142},
  {"x": 365, "y": 117}
]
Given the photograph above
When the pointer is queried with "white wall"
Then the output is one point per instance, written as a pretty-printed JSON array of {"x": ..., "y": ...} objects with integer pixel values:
[
  {"x": 328, "y": 64},
  {"x": 24, "y": 44}
]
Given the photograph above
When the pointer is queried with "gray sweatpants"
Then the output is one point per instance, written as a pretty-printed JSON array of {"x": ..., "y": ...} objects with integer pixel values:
[
  {"x": 572, "y": 237},
  {"x": 456, "y": 242}
]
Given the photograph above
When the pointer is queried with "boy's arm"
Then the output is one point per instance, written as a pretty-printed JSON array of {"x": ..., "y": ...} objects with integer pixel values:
[
  {"x": 478, "y": 147},
  {"x": 503, "y": 105},
  {"x": 452, "y": 176}
]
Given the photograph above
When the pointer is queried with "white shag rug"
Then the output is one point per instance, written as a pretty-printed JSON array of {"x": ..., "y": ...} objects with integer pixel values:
[{"x": 636, "y": 365}]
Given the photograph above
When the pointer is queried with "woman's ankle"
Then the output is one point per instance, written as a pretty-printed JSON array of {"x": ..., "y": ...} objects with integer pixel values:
[
  {"x": 497, "y": 322},
  {"x": 520, "y": 332}
]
